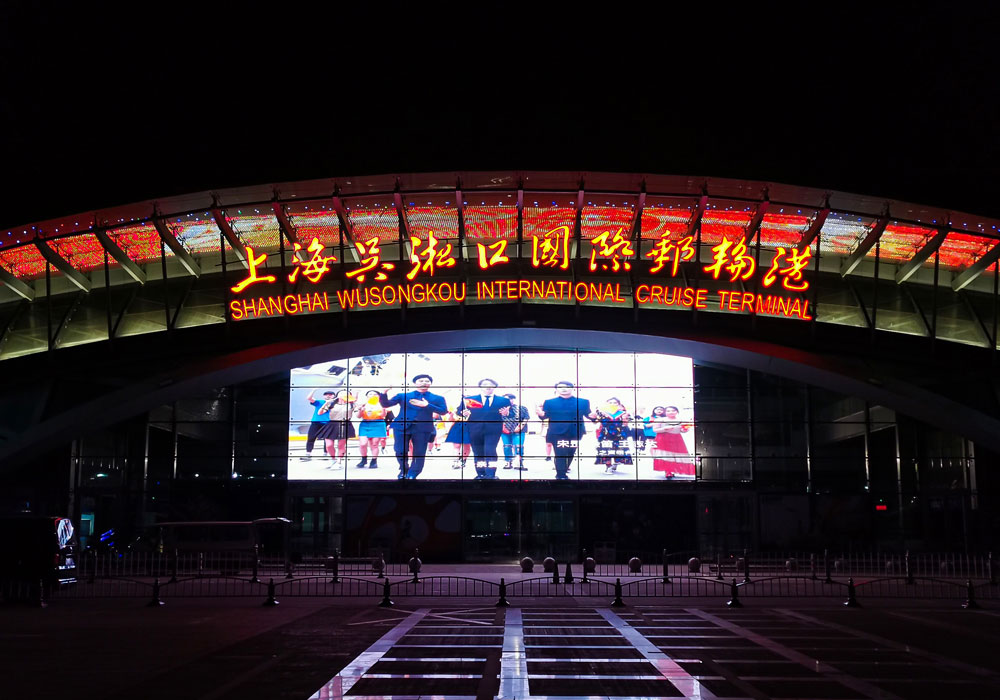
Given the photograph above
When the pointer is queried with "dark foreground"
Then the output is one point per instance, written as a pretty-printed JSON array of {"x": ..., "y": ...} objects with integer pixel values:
[{"x": 233, "y": 648}]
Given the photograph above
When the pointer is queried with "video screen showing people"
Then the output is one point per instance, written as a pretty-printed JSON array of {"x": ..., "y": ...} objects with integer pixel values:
[{"x": 494, "y": 416}]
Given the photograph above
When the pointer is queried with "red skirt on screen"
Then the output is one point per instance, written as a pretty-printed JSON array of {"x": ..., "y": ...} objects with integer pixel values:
[{"x": 670, "y": 455}]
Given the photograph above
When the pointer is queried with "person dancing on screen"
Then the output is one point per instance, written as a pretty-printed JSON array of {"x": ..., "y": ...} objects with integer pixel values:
[
  {"x": 670, "y": 455},
  {"x": 318, "y": 420},
  {"x": 339, "y": 428},
  {"x": 414, "y": 427},
  {"x": 373, "y": 429},
  {"x": 612, "y": 438}
]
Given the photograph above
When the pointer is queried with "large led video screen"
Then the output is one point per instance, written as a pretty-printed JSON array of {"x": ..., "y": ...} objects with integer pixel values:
[{"x": 494, "y": 416}]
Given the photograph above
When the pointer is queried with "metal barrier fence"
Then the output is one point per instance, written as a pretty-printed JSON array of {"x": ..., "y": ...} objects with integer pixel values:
[
  {"x": 456, "y": 586},
  {"x": 164, "y": 565},
  {"x": 873, "y": 563}
]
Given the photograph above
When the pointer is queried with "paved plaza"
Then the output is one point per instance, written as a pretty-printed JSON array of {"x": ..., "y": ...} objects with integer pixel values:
[{"x": 224, "y": 649}]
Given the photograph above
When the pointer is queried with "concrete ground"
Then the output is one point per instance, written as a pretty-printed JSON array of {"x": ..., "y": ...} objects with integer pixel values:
[{"x": 229, "y": 648}]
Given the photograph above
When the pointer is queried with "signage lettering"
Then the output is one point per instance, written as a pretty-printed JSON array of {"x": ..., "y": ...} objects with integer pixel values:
[{"x": 611, "y": 252}]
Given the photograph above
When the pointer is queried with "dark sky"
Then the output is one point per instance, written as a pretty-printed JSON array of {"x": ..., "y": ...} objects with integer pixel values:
[{"x": 100, "y": 109}]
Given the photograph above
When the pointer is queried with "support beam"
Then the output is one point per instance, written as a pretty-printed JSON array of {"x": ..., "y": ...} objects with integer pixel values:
[
  {"x": 284, "y": 223},
  {"x": 170, "y": 240},
  {"x": 928, "y": 249},
  {"x": 699, "y": 211},
  {"x": 180, "y": 303},
  {"x": 758, "y": 217},
  {"x": 984, "y": 335},
  {"x": 977, "y": 268},
  {"x": 67, "y": 317},
  {"x": 812, "y": 233},
  {"x": 346, "y": 229},
  {"x": 866, "y": 244},
  {"x": 404, "y": 225},
  {"x": 925, "y": 322},
  {"x": 60, "y": 263},
  {"x": 637, "y": 221},
  {"x": 8, "y": 327},
  {"x": 112, "y": 248},
  {"x": 121, "y": 314},
  {"x": 234, "y": 241},
  {"x": 17, "y": 286}
]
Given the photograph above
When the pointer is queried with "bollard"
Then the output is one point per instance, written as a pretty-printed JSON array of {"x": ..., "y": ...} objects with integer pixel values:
[
  {"x": 746, "y": 567},
  {"x": 734, "y": 596},
  {"x": 812, "y": 566},
  {"x": 555, "y": 573},
  {"x": 270, "y": 602},
  {"x": 970, "y": 598},
  {"x": 909, "y": 571},
  {"x": 666, "y": 570},
  {"x": 42, "y": 603},
  {"x": 386, "y": 601},
  {"x": 618, "y": 602},
  {"x": 569, "y": 573},
  {"x": 852, "y": 598},
  {"x": 415, "y": 565},
  {"x": 826, "y": 564},
  {"x": 502, "y": 602},
  {"x": 336, "y": 566},
  {"x": 155, "y": 601},
  {"x": 718, "y": 567},
  {"x": 173, "y": 568}
]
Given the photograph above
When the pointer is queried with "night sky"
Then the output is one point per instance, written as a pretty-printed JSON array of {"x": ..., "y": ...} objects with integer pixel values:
[{"x": 102, "y": 108}]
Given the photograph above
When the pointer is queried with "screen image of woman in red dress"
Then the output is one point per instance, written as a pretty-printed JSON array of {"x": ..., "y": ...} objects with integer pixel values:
[{"x": 670, "y": 454}]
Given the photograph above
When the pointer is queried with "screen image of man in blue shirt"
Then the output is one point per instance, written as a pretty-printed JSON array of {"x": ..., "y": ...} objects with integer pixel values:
[
  {"x": 565, "y": 413},
  {"x": 484, "y": 414},
  {"x": 414, "y": 424},
  {"x": 318, "y": 420}
]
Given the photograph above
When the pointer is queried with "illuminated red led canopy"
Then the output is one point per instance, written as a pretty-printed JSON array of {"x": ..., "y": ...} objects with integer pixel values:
[
  {"x": 379, "y": 220},
  {"x": 24, "y": 262},
  {"x": 490, "y": 222},
  {"x": 140, "y": 242},
  {"x": 84, "y": 252}
]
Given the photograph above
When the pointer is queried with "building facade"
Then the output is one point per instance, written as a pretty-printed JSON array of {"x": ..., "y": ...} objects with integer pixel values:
[{"x": 831, "y": 360}]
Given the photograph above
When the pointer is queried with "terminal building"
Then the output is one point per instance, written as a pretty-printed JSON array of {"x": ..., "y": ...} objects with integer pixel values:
[{"x": 752, "y": 365}]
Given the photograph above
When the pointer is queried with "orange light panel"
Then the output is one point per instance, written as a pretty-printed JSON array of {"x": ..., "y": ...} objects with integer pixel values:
[
  {"x": 442, "y": 221},
  {"x": 595, "y": 220},
  {"x": 490, "y": 223},
  {"x": 24, "y": 262},
  {"x": 899, "y": 243},
  {"x": 657, "y": 221},
  {"x": 717, "y": 224},
  {"x": 538, "y": 221},
  {"x": 783, "y": 230},
  {"x": 320, "y": 224},
  {"x": 256, "y": 229},
  {"x": 83, "y": 252},
  {"x": 375, "y": 222},
  {"x": 960, "y": 250},
  {"x": 140, "y": 242}
]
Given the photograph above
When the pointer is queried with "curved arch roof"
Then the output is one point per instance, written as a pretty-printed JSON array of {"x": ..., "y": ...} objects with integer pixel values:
[{"x": 200, "y": 234}]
